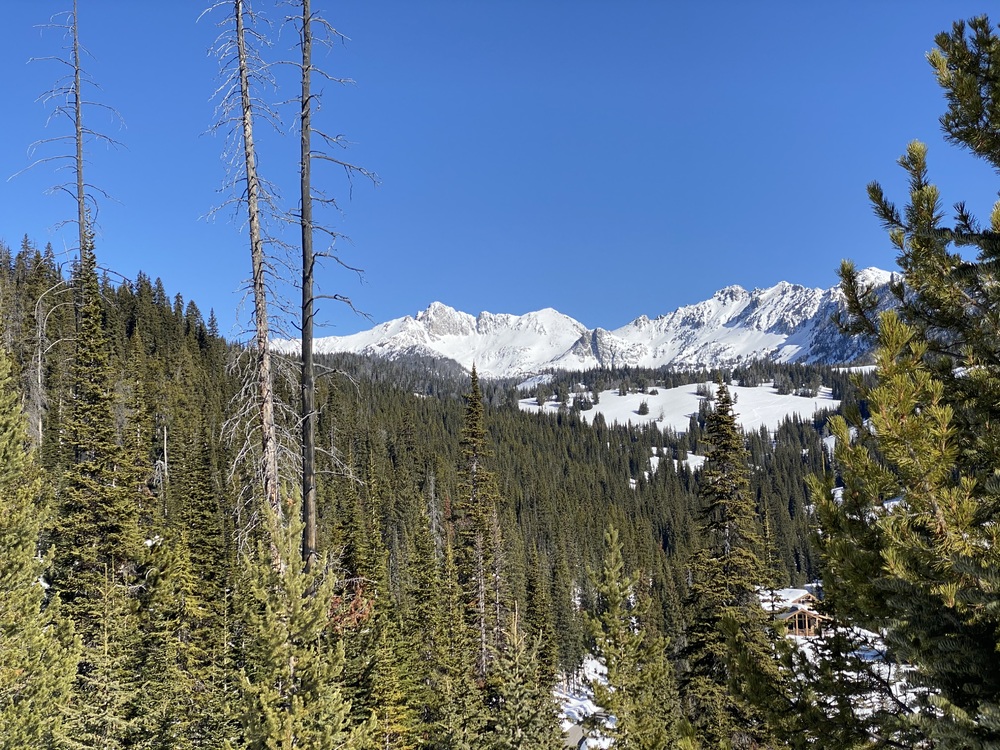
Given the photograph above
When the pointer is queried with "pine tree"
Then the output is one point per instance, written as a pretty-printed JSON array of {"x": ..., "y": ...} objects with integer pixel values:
[
  {"x": 38, "y": 653},
  {"x": 722, "y": 602},
  {"x": 291, "y": 692},
  {"x": 924, "y": 568}
]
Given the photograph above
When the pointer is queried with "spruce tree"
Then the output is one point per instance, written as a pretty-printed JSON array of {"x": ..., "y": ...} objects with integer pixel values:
[
  {"x": 96, "y": 545},
  {"x": 457, "y": 712},
  {"x": 540, "y": 623},
  {"x": 97, "y": 525},
  {"x": 476, "y": 532},
  {"x": 291, "y": 690},
  {"x": 106, "y": 683},
  {"x": 722, "y": 602},
  {"x": 177, "y": 706},
  {"x": 524, "y": 715}
]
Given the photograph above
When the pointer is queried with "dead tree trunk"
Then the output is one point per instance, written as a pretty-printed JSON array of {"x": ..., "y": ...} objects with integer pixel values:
[
  {"x": 264, "y": 372},
  {"x": 308, "y": 268},
  {"x": 81, "y": 200}
]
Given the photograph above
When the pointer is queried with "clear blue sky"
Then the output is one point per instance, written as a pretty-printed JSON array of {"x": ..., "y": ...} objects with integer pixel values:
[{"x": 608, "y": 159}]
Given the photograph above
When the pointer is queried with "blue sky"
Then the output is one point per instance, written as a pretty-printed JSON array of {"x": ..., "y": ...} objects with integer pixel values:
[{"x": 605, "y": 159}]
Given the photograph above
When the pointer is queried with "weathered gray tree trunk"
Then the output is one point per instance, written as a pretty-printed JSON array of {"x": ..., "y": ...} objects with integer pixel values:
[
  {"x": 81, "y": 198},
  {"x": 264, "y": 372},
  {"x": 308, "y": 415}
]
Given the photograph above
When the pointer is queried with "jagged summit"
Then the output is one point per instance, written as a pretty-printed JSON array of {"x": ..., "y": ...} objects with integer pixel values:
[{"x": 786, "y": 322}]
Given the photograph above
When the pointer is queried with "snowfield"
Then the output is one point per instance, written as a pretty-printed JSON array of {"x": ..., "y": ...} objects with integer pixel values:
[{"x": 671, "y": 408}]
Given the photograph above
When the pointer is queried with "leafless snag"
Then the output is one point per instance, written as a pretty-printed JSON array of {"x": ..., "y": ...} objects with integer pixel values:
[
  {"x": 306, "y": 22},
  {"x": 243, "y": 72},
  {"x": 68, "y": 102}
]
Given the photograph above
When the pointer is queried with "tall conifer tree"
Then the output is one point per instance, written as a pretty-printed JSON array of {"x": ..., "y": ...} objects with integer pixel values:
[
  {"x": 474, "y": 520},
  {"x": 524, "y": 715},
  {"x": 291, "y": 693},
  {"x": 726, "y": 573},
  {"x": 97, "y": 529}
]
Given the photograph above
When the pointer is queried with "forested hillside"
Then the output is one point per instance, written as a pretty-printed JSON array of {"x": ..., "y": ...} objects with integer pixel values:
[{"x": 149, "y": 527}]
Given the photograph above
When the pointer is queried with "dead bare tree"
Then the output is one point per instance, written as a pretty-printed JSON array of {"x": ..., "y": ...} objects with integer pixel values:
[
  {"x": 265, "y": 379},
  {"x": 36, "y": 384},
  {"x": 307, "y": 23},
  {"x": 239, "y": 110},
  {"x": 68, "y": 102}
]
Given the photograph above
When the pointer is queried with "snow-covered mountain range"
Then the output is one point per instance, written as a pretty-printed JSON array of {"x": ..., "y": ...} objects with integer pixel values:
[{"x": 787, "y": 323}]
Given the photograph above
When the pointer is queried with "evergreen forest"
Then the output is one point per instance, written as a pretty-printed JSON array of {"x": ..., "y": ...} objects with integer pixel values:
[{"x": 180, "y": 569}]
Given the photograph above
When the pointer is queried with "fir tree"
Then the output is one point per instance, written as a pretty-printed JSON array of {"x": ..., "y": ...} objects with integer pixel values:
[
  {"x": 291, "y": 692},
  {"x": 96, "y": 544},
  {"x": 100, "y": 716},
  {"x": 457, "y": 712},
  {"x": 540, "y": 623},
  {"x": 476, "y": 532},
  {"x": 96, "y": 530},
  {"x": 524, "y": 715},
  {"x": 177, "y": 706}
]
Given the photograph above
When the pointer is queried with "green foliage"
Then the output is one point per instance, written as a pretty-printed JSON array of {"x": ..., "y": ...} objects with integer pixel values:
[
  {"x": 177, "y": 705},
  {"x": 406, "y": 526},
  {"x": 97, "y": 526},
  {"x": 911, "y": 547},
  {"x": 477, "y": 535},
  {"x": 38, "y": 653},
  {"x": 524, "y": 715},
  {"x": 291, "y": 694},
  {"x": 638, "y": 689},
  {"x": 457, "y": 709},
  {"x": 106, "y": 682},
  {"x": 722, "y": 605}
]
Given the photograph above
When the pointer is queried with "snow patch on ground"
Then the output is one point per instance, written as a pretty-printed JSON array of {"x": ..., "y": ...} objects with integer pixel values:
[
  {"x": 576, "y": 701},
  {"x": 672, "y": 408}
]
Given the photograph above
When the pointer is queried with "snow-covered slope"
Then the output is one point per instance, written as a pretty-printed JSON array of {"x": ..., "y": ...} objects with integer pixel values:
[
  {"x": 787, "y": 322},
  {"x": 755, "y": 407}
]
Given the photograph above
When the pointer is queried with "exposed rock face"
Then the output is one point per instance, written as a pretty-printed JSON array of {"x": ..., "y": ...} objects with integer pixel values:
[{"x": 786, "y": 323}]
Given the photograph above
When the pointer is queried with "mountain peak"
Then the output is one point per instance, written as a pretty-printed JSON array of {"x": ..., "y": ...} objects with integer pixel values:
[
  {"x": 730, "y": 293},
  {"x": 786, "y": 322},
  {"x": 874, "y": 276},
  {"x": 442, "y": 320}
]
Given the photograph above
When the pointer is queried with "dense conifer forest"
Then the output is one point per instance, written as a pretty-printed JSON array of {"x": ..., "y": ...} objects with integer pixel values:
[
  {"x": 442, "y": 510},
  {"x": 162, "y": 584}
]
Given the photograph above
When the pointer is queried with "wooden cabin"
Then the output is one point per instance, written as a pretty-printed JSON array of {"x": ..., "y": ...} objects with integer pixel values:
[{"x": 796, "y": 608}]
